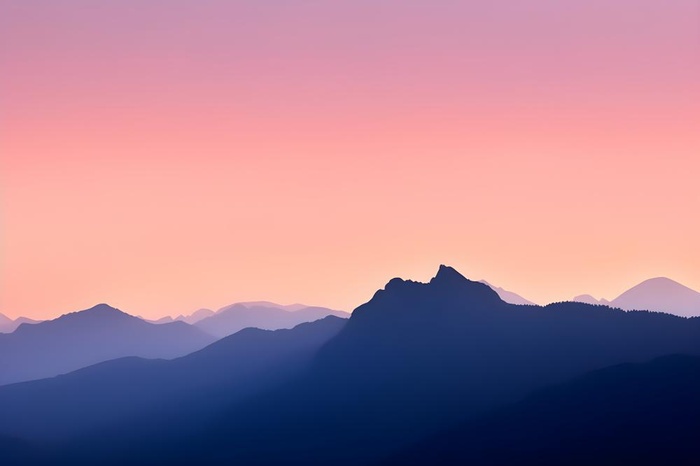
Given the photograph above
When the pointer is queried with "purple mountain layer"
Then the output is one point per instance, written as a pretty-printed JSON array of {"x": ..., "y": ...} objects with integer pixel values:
[
  {"x": 656, "y": 294},
  {"x": 80, "y": 339}
]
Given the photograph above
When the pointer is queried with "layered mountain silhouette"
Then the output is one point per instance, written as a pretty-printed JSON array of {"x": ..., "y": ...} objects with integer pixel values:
[
  {"x": 189, "y": 318},
  {"x": 136, "y": 389},
  {"x": 508, "y": 296},
  {"x": 413, "y": 361},
  {"x": 263, "y": 315},
  {"x": 8, "y": 325},
  {"x": 87, "y": 337},
  {"x": 642, "y": 414},
  {"x": 656, "y": 294}
]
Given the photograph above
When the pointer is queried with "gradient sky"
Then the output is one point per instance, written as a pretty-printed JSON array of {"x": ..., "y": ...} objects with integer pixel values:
[{"x": 164, "y": 156}]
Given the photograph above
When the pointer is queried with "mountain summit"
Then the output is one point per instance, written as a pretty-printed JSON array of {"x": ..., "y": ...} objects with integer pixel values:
[
  {"x": 656, "y": 294},
  {"x": 448, "y": 293},
  {"x": 82, "y": 338},
  {"x": 661, "y": 294}
]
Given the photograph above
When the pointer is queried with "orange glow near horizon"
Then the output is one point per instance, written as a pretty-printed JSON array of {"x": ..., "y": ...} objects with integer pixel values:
[{"x": 163, "y": 158}]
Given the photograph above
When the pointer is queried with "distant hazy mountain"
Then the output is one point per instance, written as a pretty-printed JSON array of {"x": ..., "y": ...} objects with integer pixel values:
[
  {"x": 588, "y": 299},
  {"x": 196, "y": 316},
  {"x": 656, "y": 294},
  {"x": 286, "y": 307},
  {"x": 162, "y": 320},
  {"x": 202, "y": 314},
  {"x": 87, "y": 337},
  {"x": 8, "y": 325},
  {"x": 194, "y": 386},
  {"x": 263, "y": 315},
  {"x": 508, "y": 296}
]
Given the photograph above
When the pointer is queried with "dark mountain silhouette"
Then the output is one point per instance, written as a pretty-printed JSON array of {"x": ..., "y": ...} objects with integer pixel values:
[
  {"x": 507, "y": 296},
  {"x": 187, "y": 388},
  {"x": 656, "y": 294},
  {"x": 414, "y": 360},
  {"x": 642, "y": 414},
  {"x": 263, "y": 315},
  {"x": 15, "y": 451},
  {"x": 87, "y": 337}
]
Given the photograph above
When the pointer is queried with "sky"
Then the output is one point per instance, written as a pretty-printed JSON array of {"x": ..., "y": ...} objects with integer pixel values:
[{"x": 164, "y": 156}]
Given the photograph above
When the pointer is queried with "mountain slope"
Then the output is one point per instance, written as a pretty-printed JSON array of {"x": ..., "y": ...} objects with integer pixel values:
[
  {"x": 236, "y": 317},
  {"x": 419, "y": 357},
  {"x": 8, "y": 325},
  {"x": 508, "y": 296},
  {"x": 187, "y": 388},
  {"x": 656, "y": 294},
  {"x": 414, "y": 360},
  {"x": 87, "y": 337},
  {"x": 660, "y": 294},
  {"x": 642, "y": 414}
]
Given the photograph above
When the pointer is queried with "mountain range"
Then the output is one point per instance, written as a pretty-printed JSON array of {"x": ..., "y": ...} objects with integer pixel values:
[
  {"x": 8, "y": 325},
  {"x": 79, "y": 339},
  {"x": 418, "y": 363},
  {"x": 132, "y": 388},
  {"x": 262, "y": 315},
  {"x": 656, "y": 294}
]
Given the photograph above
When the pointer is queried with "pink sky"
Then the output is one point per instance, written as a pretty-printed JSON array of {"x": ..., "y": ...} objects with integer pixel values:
[{"x": 164, "y": 156}]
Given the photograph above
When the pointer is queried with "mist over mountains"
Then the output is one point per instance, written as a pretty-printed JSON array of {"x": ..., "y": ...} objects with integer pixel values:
[{"x": 426, "y": 371}]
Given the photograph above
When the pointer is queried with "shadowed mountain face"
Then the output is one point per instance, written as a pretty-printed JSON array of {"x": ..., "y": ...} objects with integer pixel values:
[
  {"x": 642, "y": 414},
  {"x": 263, "y": 315},
  {"x": 656, "y": 294},
  {"x": 415, "y": 359},
  {"x": 87, "y": 337},
  {"x": 180, "y": 392}
]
